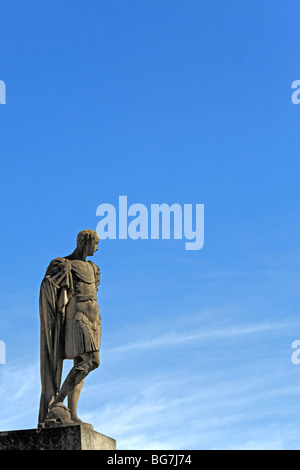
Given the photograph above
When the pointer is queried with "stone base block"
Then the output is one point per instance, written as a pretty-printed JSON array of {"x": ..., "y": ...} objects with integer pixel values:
[{"x": 68, "y": 437}]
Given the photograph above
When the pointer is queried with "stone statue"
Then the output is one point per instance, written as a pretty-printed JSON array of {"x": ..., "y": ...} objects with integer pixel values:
[{"x": 70, "y": 329}]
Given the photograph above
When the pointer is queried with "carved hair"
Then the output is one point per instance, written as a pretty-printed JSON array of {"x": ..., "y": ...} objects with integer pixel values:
[{"x": 86, "y": 236}]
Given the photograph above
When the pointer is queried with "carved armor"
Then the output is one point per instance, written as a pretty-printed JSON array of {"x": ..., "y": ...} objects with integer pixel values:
[
  {"x": 83, "y": 322},
  {"x": 77, "y": 282}
]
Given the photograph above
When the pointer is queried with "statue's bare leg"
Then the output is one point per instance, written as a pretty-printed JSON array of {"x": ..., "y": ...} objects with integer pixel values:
[
  {"x": 74, "y": 395},
  {"x": 77, "y": 374}
]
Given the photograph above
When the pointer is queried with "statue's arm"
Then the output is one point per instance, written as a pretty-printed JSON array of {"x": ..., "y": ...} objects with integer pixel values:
[{"x": 96, "y": 272}]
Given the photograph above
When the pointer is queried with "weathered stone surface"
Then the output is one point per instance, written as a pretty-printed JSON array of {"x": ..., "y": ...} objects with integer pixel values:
[
  {"x": 74, "y": 437},
  {"x": 70, "y": 329}
]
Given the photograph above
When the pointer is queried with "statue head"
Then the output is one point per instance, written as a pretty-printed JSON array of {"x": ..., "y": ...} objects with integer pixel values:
[{"x": 87, "y": 242}]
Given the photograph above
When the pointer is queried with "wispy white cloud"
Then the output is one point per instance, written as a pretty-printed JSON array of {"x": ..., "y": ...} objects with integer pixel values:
[
  {"x": 220, "y": 404},
  {"x": 19, "y": 395},
  {"x": 176, "y": 338},
  {"x": 172, "y": 414},
  {"x": 213, "y": 408}
]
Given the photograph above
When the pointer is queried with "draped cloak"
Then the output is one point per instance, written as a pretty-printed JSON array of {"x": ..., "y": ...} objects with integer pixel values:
[{"x": 55, "y": 292}]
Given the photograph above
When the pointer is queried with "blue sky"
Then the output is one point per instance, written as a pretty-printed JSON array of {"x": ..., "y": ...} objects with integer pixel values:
[{"x": 165, "y": 102}]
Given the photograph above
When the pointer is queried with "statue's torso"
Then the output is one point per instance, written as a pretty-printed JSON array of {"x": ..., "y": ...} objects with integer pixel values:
[
  {"x": 84, "y": 299},
  {"x": 83, "y": 322},
  {"x": 82, "y": 317}
]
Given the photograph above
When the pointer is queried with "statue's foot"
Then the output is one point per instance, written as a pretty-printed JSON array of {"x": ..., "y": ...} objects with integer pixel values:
[{"x": 77, "y": 420}]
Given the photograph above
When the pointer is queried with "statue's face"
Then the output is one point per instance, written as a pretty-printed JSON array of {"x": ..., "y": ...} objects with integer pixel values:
[{"x": 92, "y": 247}]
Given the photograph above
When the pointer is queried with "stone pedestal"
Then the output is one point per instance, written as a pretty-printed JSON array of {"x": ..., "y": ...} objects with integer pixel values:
[{"x": 67, "y": 437}]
